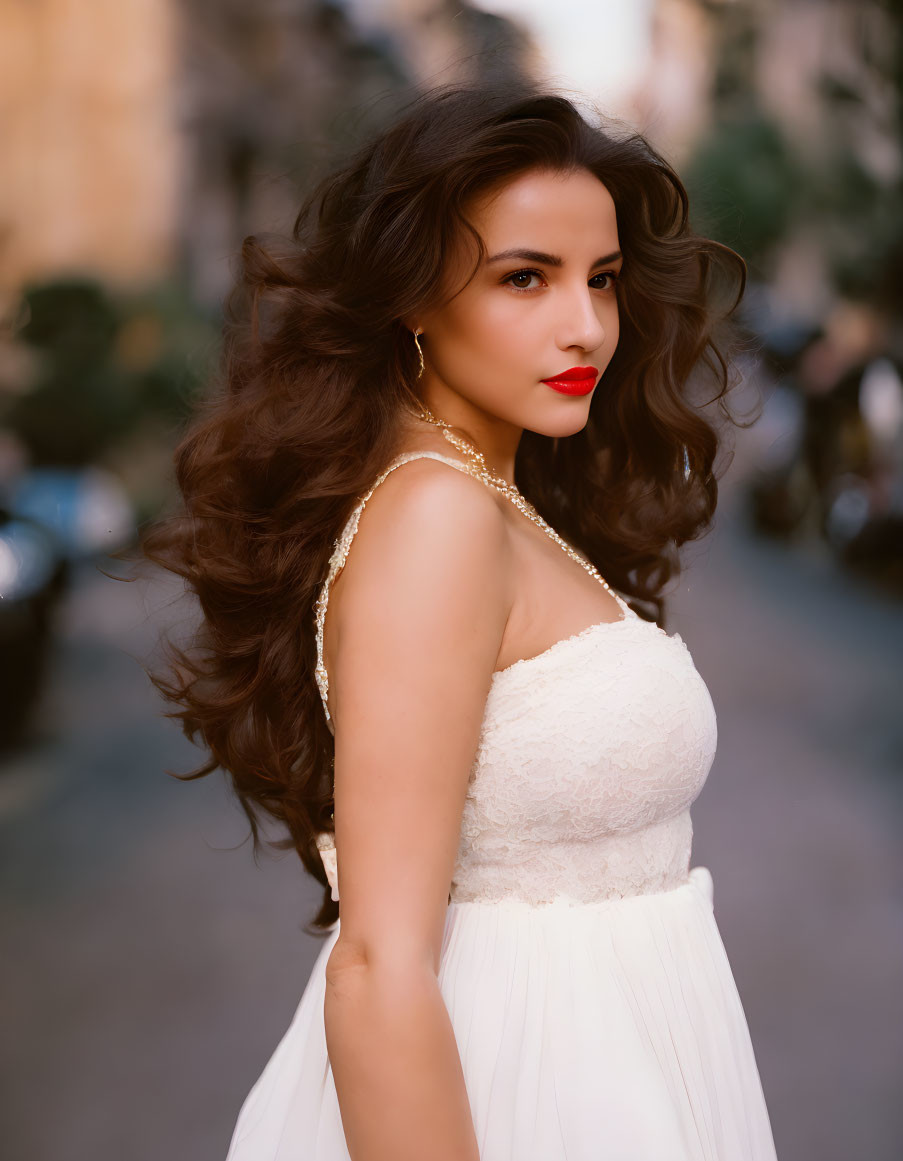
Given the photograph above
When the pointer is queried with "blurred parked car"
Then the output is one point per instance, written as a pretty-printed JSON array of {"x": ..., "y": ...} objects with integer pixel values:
[
  {"x": 53, "y": 519},
  {"x": 87, "y": 509},
  {"x": 33, "y": 572}
]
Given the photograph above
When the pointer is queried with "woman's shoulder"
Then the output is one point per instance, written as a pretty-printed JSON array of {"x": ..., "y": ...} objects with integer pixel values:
[
  {"x": 423, "y": 480},
  {"x": 431, "y": 546},
  {"x": 423, "y": 499},
  {"x": 425, "y": 525}
]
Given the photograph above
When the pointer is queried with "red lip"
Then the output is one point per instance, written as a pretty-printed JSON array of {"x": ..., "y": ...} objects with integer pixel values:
[
  {"x": 572, "y": 374},
  {"x": 574, "y": 381}
]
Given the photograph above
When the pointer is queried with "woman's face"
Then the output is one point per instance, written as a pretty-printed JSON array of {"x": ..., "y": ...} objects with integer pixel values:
[{"x": 542, "y": 302}]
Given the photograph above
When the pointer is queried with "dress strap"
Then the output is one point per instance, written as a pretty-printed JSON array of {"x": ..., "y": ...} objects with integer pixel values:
[
  {"x": 343, "y": 543},
  {"x": 340, "y": 555}
]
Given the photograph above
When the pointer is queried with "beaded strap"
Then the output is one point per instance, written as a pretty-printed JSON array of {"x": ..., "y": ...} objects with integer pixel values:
[
  {"x": 340, "y": 555},
  {"x": 481, "y": 472},
  {"x": 475, "y": 467}
]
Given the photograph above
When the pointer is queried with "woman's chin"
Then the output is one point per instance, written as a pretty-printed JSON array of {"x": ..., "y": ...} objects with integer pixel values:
[{"x": 564, "y": 421}]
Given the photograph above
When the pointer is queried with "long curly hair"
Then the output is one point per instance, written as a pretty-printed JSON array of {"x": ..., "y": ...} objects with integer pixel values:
[{"x": 317, "y": 367}]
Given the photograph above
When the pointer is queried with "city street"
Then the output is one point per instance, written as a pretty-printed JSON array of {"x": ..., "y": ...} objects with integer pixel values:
[{"x": 150, "y": 967}]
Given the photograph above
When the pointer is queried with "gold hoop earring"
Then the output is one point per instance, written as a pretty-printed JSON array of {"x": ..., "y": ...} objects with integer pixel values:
[{"x": 419, "y": 351}]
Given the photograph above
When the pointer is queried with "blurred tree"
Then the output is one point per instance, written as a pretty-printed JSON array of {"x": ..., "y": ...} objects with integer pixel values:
[
  {"x": 170, "y": 345},
  {"x": 746, "y": 185},
  {"x": 756, "y": 183},
  {"x": 79, "y": 400},
  {"x": 101, "y": 365}
]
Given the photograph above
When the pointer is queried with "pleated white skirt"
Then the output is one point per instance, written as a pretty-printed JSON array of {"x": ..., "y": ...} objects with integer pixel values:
[{"x": 609, "y": 1031}]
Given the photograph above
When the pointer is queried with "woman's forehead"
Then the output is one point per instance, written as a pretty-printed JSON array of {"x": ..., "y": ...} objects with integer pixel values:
[{"x": 548, "y": 211}]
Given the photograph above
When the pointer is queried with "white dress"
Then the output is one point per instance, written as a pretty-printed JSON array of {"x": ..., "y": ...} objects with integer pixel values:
[{"x": 592, "y": 1000}]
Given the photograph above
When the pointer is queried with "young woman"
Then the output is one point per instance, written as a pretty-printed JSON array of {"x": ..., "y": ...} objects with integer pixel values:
[{"x": 466, "y": 411}]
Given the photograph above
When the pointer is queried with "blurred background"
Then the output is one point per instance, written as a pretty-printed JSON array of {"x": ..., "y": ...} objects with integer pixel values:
[{"x": 150, "y": 965}]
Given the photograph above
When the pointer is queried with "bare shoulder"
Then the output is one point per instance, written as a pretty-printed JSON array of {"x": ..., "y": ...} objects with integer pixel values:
[
  {"x": 434, "y": 519},
  {"x": 427, "y": 585},
  {"x": 427, "y": 484}
]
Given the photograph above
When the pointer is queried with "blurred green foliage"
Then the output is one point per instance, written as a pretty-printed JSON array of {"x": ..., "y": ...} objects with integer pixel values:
[
  {"x": 103, "y": 363},
  {"x": 747, "y": 184},
  {"x": 753, "y": 185}
]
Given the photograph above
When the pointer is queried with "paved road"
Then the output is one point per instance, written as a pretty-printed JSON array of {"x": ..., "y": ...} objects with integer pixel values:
[{"x": 150, "y": 967}]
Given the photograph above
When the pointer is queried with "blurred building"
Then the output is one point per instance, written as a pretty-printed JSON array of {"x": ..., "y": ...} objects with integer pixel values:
[
  {"x": 795, "y": 107},
  {"x": 147, "y": 139},
  {"x": 92, "y": 155}
]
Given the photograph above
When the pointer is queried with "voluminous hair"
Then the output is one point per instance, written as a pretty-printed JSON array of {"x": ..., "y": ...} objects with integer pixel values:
[{"x": 317, "y": 366}]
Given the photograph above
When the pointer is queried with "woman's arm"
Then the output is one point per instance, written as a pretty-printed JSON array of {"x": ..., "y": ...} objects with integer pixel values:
[{"x": 422, "y": 617}]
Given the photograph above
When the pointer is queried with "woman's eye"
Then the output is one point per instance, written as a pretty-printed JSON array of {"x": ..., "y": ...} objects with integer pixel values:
[
  {"x": 527, "y": 274},
  {"x": 607, "y": 274},
  {"x": 520, "y": 279}
]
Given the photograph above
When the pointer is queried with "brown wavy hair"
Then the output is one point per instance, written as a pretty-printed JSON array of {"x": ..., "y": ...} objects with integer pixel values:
[{"x": 305, "y": 413}]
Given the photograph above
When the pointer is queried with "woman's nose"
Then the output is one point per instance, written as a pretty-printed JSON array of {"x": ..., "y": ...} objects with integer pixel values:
[{"x": 581, "y": 326}]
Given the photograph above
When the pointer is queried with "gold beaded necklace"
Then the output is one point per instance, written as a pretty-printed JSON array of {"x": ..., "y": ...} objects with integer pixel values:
[{"x": 477, "y": 467}]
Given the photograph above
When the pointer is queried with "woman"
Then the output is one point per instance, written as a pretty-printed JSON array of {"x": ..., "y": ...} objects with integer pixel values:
[{"x": 463, "y": 416}]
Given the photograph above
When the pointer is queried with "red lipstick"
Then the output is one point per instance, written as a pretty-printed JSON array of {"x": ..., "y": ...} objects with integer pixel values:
[{"x": 574, "y": 381}]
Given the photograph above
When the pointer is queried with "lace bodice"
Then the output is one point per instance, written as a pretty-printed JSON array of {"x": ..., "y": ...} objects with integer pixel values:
[{"x": 589, "y": 757}]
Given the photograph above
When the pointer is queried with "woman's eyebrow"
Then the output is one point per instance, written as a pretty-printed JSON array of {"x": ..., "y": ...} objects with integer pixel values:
[{"x": 546, "y": 259}]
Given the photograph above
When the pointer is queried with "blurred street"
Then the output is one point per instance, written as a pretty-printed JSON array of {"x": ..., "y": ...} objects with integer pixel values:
[{"x": 151, "y": 968}]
